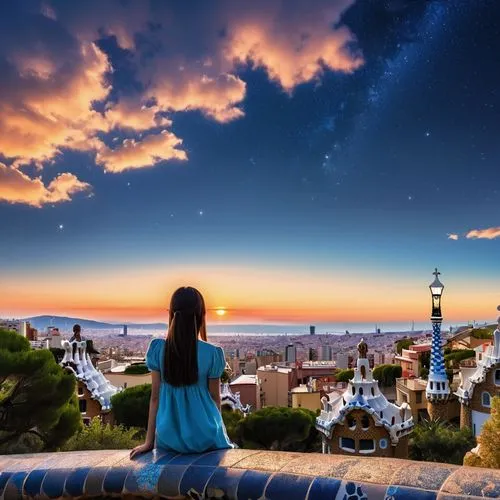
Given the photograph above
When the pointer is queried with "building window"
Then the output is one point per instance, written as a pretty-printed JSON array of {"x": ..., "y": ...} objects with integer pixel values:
[
  {"x": 360, "y": 391},
  {"x": 351, "y": 422},
  {"x": 373, "y": 392},
  {"x": 486, "y": 399},
  {"x": 365, "y": 422},
  {"x": 393, "y": 420},
  {"x": 86, "y": 421},
  {"x": 82, "y": 403},
  {"x": 418, "y": 397},
  {"x": 383, "y": 443},
  {"x": 432, "y": 386},
  {"x": 348, "y": 444},
  {"x": 438, "y": 386},
  {"x": 366, "y": 445},
  {"x": 404, "y": 397},
  {"x": 353, "y": 390},
  {"x": 80, "y": 391},
  {"x": 497, "y": 377}
]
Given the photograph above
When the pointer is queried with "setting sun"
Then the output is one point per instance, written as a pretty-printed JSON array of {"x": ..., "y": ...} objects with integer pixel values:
[{"x": 220, "y": 312}]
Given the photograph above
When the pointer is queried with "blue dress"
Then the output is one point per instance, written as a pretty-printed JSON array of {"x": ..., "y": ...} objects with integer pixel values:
[{"x": 188, "y": 420}]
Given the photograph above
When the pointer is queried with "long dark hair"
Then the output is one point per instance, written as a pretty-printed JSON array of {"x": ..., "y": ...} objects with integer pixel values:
[{"x": 186, "y": 323}]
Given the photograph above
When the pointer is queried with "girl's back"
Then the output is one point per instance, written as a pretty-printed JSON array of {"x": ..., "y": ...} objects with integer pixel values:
[{"x": 188, "y": 420}]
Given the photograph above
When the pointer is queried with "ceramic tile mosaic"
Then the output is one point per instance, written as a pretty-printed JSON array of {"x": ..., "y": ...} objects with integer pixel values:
[{"x": 238, "y": 475}]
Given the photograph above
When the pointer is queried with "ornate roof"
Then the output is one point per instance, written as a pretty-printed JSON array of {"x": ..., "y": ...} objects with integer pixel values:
[
  {"x": 232, "y": 399},
  {"x": 363, "y": 393},
  {"x": 489, "y": 361},
  {"x": 77, "y": 359}
]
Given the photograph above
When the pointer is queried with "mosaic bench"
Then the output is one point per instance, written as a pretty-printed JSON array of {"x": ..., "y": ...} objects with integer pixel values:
[{"x": 238, "y": 474}]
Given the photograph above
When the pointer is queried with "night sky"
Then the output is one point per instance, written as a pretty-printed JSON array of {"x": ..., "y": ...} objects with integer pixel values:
[{"x": 298, "y": 161}]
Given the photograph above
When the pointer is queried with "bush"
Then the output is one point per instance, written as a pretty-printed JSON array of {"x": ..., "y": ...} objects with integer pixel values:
[
  {"x": 454, "y": 357},
  {"x": 99, "y": 436},
  {"x": 232, "y": 420},
  {"x": 344, "y": 375},
  {"x": 131, "y": 406},
  {"x": 483, "y": 333},
  {"x": 387, "y": 374},
  {"x": 279, "y": 428},
  {"x": 138, "y": 369},
  {"x": 403, "y": 344},
  {"x": 435, "y": 441}
]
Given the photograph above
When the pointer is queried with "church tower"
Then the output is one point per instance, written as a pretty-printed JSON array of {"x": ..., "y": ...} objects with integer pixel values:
[{"x": 438, "y": 387}]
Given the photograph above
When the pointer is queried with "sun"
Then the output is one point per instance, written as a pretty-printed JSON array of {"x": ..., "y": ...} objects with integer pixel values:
[{"x": 220, "y": 311}]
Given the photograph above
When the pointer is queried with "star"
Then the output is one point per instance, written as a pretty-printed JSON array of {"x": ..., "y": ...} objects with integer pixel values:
[
  {"x": 200, "y": 212},
  {"x": 128, "y": 184},
  {"x": 427, "y": 134},
  {"x": 410, "y": 197},
  {"x": 60, "y": 227}
]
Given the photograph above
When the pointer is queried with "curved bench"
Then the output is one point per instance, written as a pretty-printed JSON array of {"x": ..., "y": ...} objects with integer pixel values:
[{"x": 238, "y": 474}]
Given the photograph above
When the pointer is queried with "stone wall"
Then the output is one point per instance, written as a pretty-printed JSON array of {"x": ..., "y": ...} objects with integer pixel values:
[{"x": 238, "y": 474}]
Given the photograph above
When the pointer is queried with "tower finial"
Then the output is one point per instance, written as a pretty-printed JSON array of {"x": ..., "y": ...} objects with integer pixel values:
[{"x": 436, "y": 273}]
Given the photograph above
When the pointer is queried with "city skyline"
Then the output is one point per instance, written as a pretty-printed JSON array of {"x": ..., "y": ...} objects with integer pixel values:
[{"x": 297, "y": 163}]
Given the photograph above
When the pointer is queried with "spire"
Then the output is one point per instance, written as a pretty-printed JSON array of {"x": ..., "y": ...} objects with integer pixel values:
[{"x": 438, "y": 388}]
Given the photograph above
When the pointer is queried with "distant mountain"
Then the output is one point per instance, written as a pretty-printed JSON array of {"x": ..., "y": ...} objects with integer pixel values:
[{"x": 65, "y": 323}]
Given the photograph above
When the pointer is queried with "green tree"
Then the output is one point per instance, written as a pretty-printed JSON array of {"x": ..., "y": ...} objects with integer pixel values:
[
  {"x": 279, "y": 428},
  {"x": 403, "y": 344},
  {"x": 489, "y": 450},
  {"x": 344, "y": 375},
  {"x": 232, "y": 421},
  {"x": 58, "y": 353},
  {"x": 453, "y": 358},
  {"x": 436, "y": 441},
  {"x": 36, "y": 395},
  {"x": 387, "y": 374},
  {"x": 99, "y": 436},
  {"x": 138, "y": 369},
  {"x": 131, "y": 406}
]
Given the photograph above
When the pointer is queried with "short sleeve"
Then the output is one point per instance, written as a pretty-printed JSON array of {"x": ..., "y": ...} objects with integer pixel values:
[
  {"x": 218, "y": 363},
  {"x": 153, "y": 355}
]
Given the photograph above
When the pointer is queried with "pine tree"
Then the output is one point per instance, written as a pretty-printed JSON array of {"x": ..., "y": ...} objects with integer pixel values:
[{"x": 36, "y": 395}]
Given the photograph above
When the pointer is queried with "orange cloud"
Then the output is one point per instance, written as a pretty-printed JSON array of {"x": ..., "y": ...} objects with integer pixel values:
[
  {"x": 56, "y": 77},
  {"x": 488, "y": 234},
  {"x": 16, "y": 187},
  {"x": 217, "y": 97},
  {"x": 147, "y": 152},
  {"x": 452, "y": 236},
  {"x": 294, "y": 45}
]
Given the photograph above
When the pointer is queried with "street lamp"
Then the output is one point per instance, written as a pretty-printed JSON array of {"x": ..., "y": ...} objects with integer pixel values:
[{"x": 436, "y": 288}]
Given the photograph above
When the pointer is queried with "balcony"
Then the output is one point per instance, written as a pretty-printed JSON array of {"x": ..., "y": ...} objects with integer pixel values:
[{"x": 237, "y": 474}]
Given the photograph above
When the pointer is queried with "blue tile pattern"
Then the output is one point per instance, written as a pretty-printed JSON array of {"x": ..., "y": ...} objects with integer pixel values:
[{"x": 251, "y": 474}]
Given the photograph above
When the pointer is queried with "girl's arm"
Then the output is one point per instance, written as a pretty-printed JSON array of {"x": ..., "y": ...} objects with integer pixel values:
[
  {"x": 153, "y": 410},
  {"x": 214, "y": 389}
]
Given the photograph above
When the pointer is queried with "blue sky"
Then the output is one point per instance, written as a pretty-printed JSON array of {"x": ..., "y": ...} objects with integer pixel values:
[{"x": 349, "y": 140}]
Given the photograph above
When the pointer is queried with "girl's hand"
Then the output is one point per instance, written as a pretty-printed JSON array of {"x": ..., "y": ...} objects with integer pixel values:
[{"x": 143, "y": 448}]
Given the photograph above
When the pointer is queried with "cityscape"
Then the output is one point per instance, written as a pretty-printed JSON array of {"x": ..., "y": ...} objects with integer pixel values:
[{"x": 250, "y": 250}]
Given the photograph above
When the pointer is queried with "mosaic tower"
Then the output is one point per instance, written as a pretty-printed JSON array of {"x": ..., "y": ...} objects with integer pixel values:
[{"x": 438, "y": 387}]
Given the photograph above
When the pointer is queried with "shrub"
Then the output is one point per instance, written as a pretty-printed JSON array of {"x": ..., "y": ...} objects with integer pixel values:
[
  {"x": 435, "y": 441},
  {"x": 138, "y": 369},
  {"x": 344, "y": 375},
  {"x": 99, "y": 436},
  {"x": 387, "y": 374},
  {"x": 131, "y": 406}
]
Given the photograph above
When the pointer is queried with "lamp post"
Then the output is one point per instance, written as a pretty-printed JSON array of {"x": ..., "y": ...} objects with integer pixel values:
[
  {"x": 436, "y": 288},
  {"x": 438, "y": 389}
]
